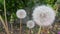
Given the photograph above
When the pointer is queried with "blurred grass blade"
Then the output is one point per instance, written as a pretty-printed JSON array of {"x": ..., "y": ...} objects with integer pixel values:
[{"x": 4, "y": 25}]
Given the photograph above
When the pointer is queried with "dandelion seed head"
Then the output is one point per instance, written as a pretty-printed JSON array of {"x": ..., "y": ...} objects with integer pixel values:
[
  {"x": 21, "y": 13},
  {"x": 43, "y": 15},
  {"x": 30, "y": 24}
]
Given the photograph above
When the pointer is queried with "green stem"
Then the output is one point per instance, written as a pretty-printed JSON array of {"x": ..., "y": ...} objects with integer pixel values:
[
  {"x": 5, "y": 13},
  {"x": 20, "y": 26},
  {"x": 39, "y": 32},
  {"x": 5, "y": 16},
  {"x": 11, "y": 28},
  {"x": 4, "y": 25}
]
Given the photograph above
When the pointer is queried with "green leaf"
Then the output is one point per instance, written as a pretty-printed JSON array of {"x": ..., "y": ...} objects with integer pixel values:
[{"x": 2, "y": 1}]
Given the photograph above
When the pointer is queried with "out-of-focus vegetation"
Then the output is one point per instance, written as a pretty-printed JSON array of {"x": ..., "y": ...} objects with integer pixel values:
[{"x": 13, "y": 5}]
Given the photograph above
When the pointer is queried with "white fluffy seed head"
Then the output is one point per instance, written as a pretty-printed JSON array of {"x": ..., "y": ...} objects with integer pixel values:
[
  {"x": 30, "y": 24},
  {"x": 43, "y": 15},
  {"x": 21, "y": 13}
]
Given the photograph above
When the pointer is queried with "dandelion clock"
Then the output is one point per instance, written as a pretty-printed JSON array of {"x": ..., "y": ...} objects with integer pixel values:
[
  {"x": 43, "y": 15},
  {"x": 21, "y": 13},
  {"x": 30, "y": 25}
]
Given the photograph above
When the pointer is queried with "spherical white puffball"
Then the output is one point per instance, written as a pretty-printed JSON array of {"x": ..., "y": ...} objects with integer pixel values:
[
  {"x": 21, "y": 13},
  {"x": 30, "y": 24},
  {"x": 43, "y": 15}
]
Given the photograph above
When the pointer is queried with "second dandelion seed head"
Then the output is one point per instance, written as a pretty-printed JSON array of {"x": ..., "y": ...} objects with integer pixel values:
[{"x": 30, "y": 24}]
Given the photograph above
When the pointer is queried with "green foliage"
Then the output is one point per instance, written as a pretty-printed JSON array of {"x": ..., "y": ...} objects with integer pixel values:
[
  {"x": 13, "y": 5},
  {"x": 2, "y": 1},
  {"x": 58, "y": 2}
]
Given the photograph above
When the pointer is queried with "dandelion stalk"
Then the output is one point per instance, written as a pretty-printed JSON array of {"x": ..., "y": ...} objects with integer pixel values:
[
  {"x": 11, "y": 22},
  {"x": 20, "y": 26},
  {"x": 4, "y": 25},
  {"x": 57, "y": 8},
  {"x": 29, "y": 32},
  {"x": 39, "y": 32},
  {"x": 11, "y": 29}
]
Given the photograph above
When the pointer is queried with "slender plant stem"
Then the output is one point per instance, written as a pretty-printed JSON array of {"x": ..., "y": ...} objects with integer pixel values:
[
  {"x": 5, "y": 16},
  {"x": 39, "y": 32},
  {"x": 56, "y": 8},
  {"x": 11, "y": 22},
  {"x": 26, "y": 31},
  {"x": 29, "y": 31},
  {"x": 20, "y": 26},
  {"x": 5, "y": 13},
  {"x": 11, "y": 29},
  {"x": 4, "y": 25}
]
